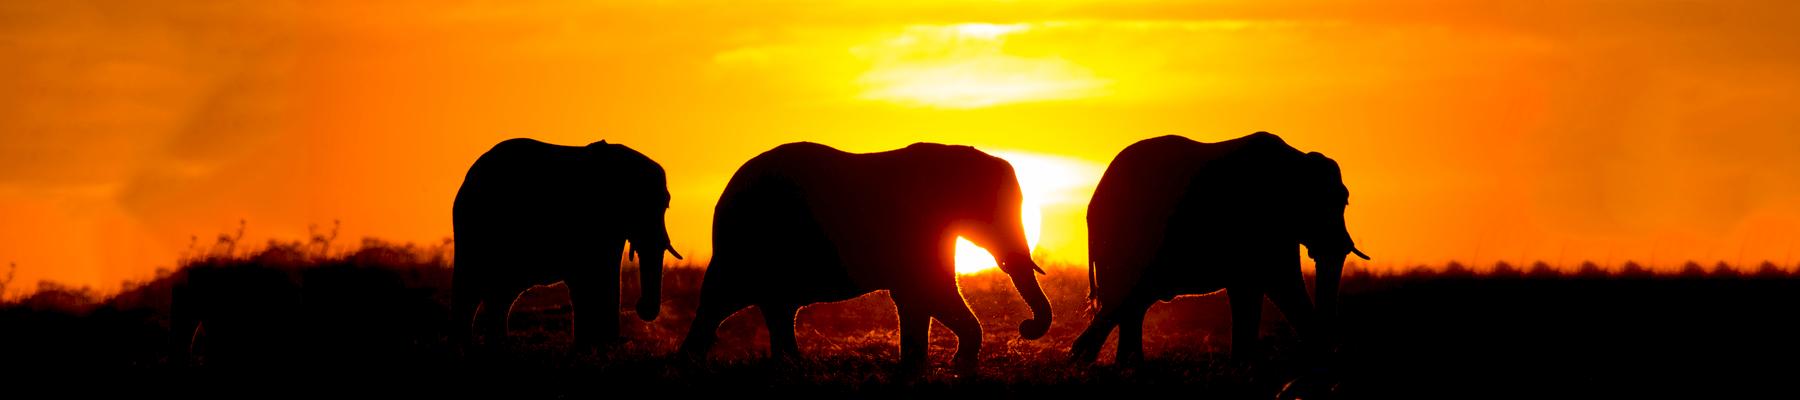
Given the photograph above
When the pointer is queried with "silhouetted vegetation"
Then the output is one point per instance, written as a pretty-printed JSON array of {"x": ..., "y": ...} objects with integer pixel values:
[{"x": 1498, "y": 330}]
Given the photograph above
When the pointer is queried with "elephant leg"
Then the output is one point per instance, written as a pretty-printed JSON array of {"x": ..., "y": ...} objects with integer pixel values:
[
  {"x": 463, "y": 303},
  {"x": 705, "y": 329},
  {"x": 915, "y": 330},
  {"x": 1131, "y": 332},
  {"x": 594, "y": 318},
  {"x": 1290, "y": 297},
  {"x": 1087, "y": 346},
  {"x": 780, "y": 320},
  {"x": 1246, "y": 321},
  {"x": 955, "y": 314},
  {"x": 491, "y": 321}
]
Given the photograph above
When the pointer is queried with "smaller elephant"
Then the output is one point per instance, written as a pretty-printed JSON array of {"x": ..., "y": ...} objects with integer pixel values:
[
  {"x": 1173, "y": 216},
  {"x": 532, "y": 213},
  {"x": 805, "y": 223},
  {"x": 235, "y": 315}
]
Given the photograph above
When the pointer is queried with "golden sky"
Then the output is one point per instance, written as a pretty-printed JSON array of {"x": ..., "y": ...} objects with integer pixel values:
[{"x": 1471, "y": 131}]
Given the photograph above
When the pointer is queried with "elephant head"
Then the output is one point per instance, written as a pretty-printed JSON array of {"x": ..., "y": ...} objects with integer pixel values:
[
  {"x": 640, "y": 201},
  {"x": 997, "y": 227},
  {"x": 1322, "y": 199}
]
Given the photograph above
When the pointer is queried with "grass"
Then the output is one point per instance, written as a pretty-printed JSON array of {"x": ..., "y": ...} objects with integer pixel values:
[{"x": 383, "y": 307}]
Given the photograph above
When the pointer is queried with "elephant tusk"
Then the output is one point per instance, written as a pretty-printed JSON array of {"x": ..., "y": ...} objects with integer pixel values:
[
  {"x": 677, "y": 254},
  {"x": 1034, "y": 267},
  {"x": 1359, "y": 253}
]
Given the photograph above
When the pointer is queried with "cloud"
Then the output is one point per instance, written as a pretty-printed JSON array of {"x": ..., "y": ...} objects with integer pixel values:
[
  {"x": 1579, "y": 119},
  {"x": 111, "y": 111}
]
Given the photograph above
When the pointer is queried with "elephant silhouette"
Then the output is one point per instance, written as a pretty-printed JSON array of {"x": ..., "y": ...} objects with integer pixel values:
[
  {"x": 532, "y": 213},
  {"x": 805, "y": 223},
  {"x": 235, "y": 315},
  {"x": 1173, "y": 216},
  {"x": 264, "y": 312}
]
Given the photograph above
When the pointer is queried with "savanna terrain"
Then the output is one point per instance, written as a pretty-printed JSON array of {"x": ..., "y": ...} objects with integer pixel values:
[{"x": 1494, "y": 331}]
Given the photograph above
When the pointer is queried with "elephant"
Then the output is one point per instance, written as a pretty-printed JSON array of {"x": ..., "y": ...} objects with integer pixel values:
[
  {"x": 235, "y": 315},
  {"x": 266, "y": 311},
  {"x": 806, "y": 223},
  {"x": 1173, "y": 216},
  {"x": 533, "y": 213}
]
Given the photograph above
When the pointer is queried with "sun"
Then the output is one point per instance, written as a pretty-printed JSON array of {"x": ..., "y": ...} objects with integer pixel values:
[
  {"x": 1043, "y": 180},
  {"x": 964, "y": 66},
  {"x": 972, "y": 259}
]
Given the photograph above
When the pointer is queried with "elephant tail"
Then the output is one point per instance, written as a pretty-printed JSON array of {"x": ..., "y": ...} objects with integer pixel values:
[
  {"x": 1093, "y": 282},
  {"x": 464, "y": 299},
  {"x": 1095, "y": 252}
]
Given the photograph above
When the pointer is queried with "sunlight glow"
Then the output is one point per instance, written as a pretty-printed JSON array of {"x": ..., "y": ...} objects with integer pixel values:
[
  {"x": 972, "y": 259},
  {"x": 1043, "y": 180},
  {"x": 987, "y": 31},
  {"x": 967, "y": 66}
]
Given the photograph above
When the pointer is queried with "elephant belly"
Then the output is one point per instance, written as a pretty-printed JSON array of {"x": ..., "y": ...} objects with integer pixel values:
[
  {"x": 1179, "y": 280},
  {"x": 771, "y": 242},
  {"x": 1207, "y": 263},
  {"x": 536, "y": 260},
  {"x": 822, "y": 282},
  {"x": 771, "y": 277},
  {"x": 780, "y": 257}
]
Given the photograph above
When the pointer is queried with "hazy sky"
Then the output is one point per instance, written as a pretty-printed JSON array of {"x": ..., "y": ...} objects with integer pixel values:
[{"x": 1604, "y": 130}]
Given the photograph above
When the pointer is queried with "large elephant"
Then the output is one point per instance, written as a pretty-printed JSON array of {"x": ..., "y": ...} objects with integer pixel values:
[
  {"x": 532, "y": 213},
  {"x": 805, "y": 223},
  {"x": 1173, "y": 216}
]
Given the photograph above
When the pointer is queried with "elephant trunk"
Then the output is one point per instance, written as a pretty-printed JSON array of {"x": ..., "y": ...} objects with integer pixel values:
[
  {"x": 1025, "y": 280},
  {"x": 1329, "y": 270},
  {"x": 650, "y": 271}
]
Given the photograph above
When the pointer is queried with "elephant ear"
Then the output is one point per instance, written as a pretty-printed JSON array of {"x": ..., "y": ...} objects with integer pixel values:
[
  {"x": 1322, "y": 173},
  {"x": 1319, "y": 160}
]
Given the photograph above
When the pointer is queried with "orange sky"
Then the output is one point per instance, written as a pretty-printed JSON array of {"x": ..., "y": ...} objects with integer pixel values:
[{"x": 1476, "y": 131}]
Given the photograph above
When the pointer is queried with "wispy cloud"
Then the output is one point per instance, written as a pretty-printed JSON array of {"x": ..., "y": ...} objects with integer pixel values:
[{"x": 967, "y": 66}]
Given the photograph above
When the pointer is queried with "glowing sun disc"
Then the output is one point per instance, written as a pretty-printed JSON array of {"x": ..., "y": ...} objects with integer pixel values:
[{"x": 971, "y": 258}]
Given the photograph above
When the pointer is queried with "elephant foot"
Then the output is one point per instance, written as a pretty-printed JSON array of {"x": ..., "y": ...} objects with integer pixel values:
[
  {"x": 1309, "y": 386},
  {"x": 1033, "y": 329},
  {"x": 597, "y": 347},
  {"x": 1246, "y": 355},
  {"x": 1084, "y": 354},
  {"x": 647, "y": 311},
  {"x": 789, "y": 358},
  {"x": 784, "y": 363},
  {"x": 606, "y": 342},
  {"x": 966, "y": 367},
  {"x": 1129, "y": 358},
  {"x": 909, "y": 371},
  {"x": 487, "y": 355},
  {"x": 692, "y": 355},
  {"x": 1318, "y": 350}
]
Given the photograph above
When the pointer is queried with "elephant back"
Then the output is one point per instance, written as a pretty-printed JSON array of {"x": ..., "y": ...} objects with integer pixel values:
[
  {"x": 863, "y": 208},
  {"x": 1147, "y": 187}
]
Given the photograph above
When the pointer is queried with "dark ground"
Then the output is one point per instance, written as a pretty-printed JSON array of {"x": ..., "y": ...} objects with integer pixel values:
[{"x": 379, "y": 314}]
